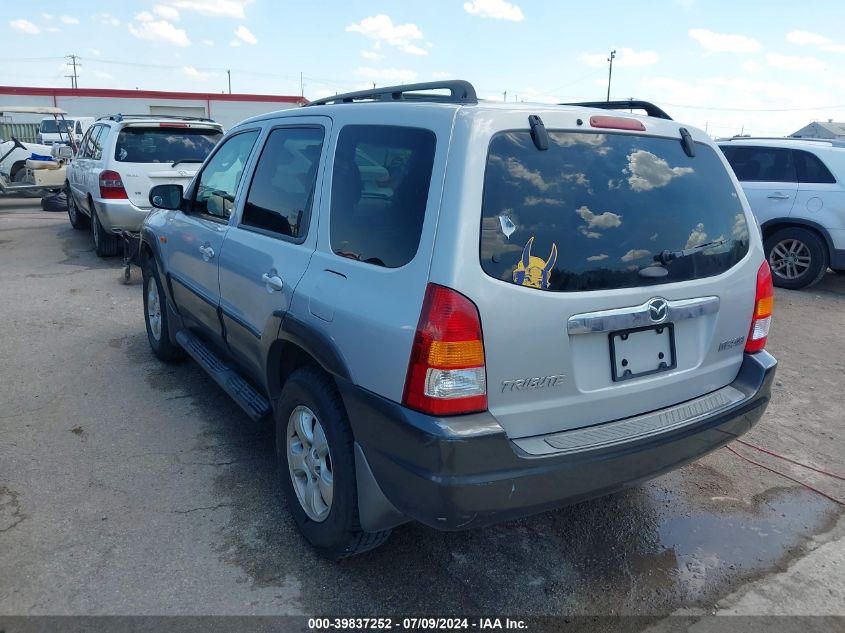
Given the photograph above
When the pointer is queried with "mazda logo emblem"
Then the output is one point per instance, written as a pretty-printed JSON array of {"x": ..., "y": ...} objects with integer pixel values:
[{"x": 658, "y": 310}]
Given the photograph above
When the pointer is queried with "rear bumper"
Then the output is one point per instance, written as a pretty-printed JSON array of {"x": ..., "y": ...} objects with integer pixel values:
[
  {"x": 120, "y": 214},
  {"x": 463, "y": 472}
]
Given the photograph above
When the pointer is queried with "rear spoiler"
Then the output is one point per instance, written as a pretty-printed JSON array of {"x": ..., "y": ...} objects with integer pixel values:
[{"x": 629, "y": 104}]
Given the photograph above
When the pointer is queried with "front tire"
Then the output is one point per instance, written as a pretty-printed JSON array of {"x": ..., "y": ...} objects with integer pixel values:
[
  {"x": 314, "y": 446},
  {"x": 78, "y": 220},
  {"x": 798, "y": 257},
  {"x": 105, "y": 244},
  {"x": 156, "y": 318}
]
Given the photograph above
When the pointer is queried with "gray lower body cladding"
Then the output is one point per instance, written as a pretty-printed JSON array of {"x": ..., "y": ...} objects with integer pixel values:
[{"x": 464, "y": 472}]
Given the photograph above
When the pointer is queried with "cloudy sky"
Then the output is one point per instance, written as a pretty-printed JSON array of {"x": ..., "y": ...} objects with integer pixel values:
[{"x": 753, "y": 66}]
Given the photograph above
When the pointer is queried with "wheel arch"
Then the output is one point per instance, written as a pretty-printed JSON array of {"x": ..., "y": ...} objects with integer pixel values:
[
  {"x": 16, "y": 167},
  {"x": 769, "y": 228}
]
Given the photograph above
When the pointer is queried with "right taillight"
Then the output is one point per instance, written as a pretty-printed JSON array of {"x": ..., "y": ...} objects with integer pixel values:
[
  {"x": 763, "y": 303},
  {"x": 111, "y": 186},
  {"x": 446, "y": 372}
]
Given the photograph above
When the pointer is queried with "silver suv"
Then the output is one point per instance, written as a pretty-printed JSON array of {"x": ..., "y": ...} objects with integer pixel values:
[
  {"x": 461, "y": 312},
  {"x": 796, "y": 189},
  {"x": 120, "y": 158}
]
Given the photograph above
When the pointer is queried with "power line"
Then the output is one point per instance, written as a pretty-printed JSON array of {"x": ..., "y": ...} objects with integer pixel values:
[{"x": 74, "y": 78}]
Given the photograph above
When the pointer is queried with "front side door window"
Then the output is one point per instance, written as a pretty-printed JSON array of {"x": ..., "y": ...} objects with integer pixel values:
[{"x": 218, "y": 182}]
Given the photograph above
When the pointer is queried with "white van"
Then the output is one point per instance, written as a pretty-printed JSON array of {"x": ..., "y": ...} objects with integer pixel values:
[{"x": 55, "y": 130}]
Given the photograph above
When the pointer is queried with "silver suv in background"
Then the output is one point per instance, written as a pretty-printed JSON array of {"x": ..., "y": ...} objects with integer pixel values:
[
  {"x": 460, "y": 312},
  {"x": 796, "y": 189},
  {"x": 120, "y": 158}
]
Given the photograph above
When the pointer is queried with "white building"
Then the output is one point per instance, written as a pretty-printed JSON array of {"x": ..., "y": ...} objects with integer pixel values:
[{"x": 226, "y": 109}]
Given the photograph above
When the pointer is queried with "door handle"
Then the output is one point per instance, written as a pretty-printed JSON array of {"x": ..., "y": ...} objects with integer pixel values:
[
  {"x": 272, "y": 282},
  {"x": 778, "y": 196},
  {"x": 207, "y": 252}
]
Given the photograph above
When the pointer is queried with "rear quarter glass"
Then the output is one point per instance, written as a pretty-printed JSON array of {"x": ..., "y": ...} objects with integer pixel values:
[{"x": 593, "y": 211}]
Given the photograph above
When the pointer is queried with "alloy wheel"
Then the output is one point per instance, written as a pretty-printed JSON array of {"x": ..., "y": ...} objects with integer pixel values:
[
  {"x": 790, "y": 259},
  {"x": 309, "y": 463}
]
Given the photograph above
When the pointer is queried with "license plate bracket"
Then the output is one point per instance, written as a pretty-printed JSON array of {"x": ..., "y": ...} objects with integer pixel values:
[{"x": 642, "y": 351}]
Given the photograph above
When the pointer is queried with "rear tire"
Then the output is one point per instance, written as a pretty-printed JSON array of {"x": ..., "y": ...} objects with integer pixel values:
[
  {"x": 798, "y": 257},
  {"x": 105, "y": 244},
  {"x": 78, "y": 220},
  {"x": 156, "y": 317},
  {"x": 311, "y": 403}
]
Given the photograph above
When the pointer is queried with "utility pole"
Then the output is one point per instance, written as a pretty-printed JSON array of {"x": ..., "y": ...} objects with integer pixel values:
[
  {"x": 229, "y": 75},
  {"x": 505, "y": 95},
  {"x": 610, "y": 72},
  {"x": 301, "y": 86},
  {"x": 74, "y": 81}
]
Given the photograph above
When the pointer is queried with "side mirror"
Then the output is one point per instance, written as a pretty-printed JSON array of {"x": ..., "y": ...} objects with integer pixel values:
[{"x": 166, "y": 197}]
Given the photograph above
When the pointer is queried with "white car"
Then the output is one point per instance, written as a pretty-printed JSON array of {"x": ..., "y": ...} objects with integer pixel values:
[
  {"x": 120, "y": 159},
  {"x": 53, "y": 130},
  {"x": 796, "y": 189}
]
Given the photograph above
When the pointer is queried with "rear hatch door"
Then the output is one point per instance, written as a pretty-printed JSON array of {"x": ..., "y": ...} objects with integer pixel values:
[
  {"x": 618, "y": 274},
  {"x": 149, "y": 154}
]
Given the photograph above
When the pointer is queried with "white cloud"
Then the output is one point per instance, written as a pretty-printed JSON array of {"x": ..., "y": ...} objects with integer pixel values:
[
  {"x": 160, "y": 30},
  {"x": 25, "y": 26},
  {"x": 52, "y": 29},
  {"x": 367, "y": 54},
  {"x": 386, "y": 75},
  {"x": 803, "y": 38},
  {"x": 47, "y": 16},
  {"x": 208, "y": 42},
  {"x": 144, "y": 16},
  {"x": 212, "y": 8},
  {"x": 697, "y": 237},
  {"x": 380, "y": 28},
  {"x": 245, "y": 35},
  {"x": 495, "y": 9},
  {"x": 66, "y": 19},
  {"x": 166, "y": 12},
  {"x": 96, "y": 52},
  {"x": 790, "y": 62},
  {"x": 648, "y": 171},
  {"x": 596, "y": 258},
  {"x": 106, "y": 18},
  {"x": 606, "y": 220},
  {"x": 724, "y": 43},
  {"x": 633, "y": 254},
  {"x": 751, "y": 66},
  {"x": 625, "y": 57},
  {"x": 235, "y": 43},
  {"x": 193, "y": 73},
  {"x": 441, "y": 75}
]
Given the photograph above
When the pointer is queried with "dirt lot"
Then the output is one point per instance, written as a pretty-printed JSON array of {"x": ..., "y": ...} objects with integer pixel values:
[{"x": 130, "y": 487}]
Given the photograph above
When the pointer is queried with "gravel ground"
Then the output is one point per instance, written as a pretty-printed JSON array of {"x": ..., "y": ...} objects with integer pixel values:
[{"x": 130, "y": 487}]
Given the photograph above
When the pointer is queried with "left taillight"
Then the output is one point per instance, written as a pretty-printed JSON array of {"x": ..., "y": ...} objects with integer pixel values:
[
  {"x": 111, "y": 186},
  {"x": 446, "y": 371},
  {"x": 763, "y": 305}
]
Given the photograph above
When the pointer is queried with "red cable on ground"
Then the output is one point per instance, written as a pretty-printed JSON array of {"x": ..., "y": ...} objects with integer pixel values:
[
  {"x": 784, "y": 475},
  {"x": 787, "y": 459}
]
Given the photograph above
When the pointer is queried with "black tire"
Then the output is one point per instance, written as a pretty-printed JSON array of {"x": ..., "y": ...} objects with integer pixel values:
[
  {"x": 807, "y": 244},
  {"x": 105, "y": 244},
  {"x": 78, "y": 220},
  {"x": 54, "y": 202},
  {"x": 161, "y": 345},
  {"x": 338, "y": 535}
]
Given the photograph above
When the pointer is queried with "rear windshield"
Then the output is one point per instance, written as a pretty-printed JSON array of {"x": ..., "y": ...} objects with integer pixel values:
[
  {"x": 50, "y": 126},
  {"x": 595, "y": 211},
  {"x": 164, "y": 145}
]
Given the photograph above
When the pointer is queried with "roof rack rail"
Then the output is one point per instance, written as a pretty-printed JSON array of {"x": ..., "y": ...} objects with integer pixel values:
[
  {"x": 460, "y": 91},
  {"x": 120, "y": 117},
  {"x": 628, "y": 104}
]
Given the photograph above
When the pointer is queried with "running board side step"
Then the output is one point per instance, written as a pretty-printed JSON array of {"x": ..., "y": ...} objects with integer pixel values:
[{"x": 248, "y": 398}]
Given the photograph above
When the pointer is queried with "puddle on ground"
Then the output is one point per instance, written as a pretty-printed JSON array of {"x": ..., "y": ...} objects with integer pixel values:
[{"x": 671, "y": 543}]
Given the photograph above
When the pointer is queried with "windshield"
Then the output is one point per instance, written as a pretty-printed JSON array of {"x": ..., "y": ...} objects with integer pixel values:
[
  {"x": 165, "y": 145},
  {"x": 51, "y": 126},
  {"x": 593, "y": 211}
]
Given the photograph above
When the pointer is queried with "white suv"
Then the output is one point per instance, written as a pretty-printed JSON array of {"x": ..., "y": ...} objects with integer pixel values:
[
  {"x": 120, "y": 158},
  {"x": 795, "y": 189}
]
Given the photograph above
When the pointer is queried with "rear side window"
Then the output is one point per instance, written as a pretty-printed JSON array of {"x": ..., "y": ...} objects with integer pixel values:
[
  {"x": 595, "y": 210},
  {"x": 811, "y": 169},
  {"x": 761, "y": 164},
  {"x": 380, "y": 186},
  {"x": 282, "y": 188},
  {"x": 164, "y": 144}
]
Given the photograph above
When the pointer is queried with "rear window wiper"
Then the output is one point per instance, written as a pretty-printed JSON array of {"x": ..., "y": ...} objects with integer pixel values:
[
  {"x": 186, "y": 160},
  {"x": 667, "y": 256}
]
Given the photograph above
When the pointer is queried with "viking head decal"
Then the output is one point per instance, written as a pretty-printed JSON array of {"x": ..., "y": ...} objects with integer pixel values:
[{"x": 533, "y": 271}]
